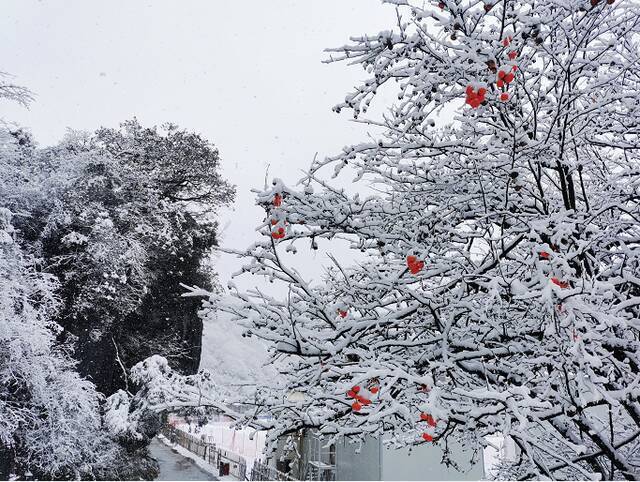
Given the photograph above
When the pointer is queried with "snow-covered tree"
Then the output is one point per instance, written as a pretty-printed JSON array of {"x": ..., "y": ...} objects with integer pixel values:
[
  {"x": 121, "y": 217},
  {"x": 499, "y": 289},
  {"x": 50, "y": 423}
]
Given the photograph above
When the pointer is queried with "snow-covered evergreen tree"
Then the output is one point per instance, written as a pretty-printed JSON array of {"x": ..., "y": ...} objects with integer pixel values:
[{"x": 499, "y": 291}]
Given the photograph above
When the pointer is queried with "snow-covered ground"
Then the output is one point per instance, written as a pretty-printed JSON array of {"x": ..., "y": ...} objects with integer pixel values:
[{"x": 176, "y": 466}]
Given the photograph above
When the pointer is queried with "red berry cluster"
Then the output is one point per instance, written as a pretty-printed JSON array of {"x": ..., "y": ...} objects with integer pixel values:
[
  {"x": 474, "y": 99},
  {"x": 342, "y": 313},
  {"x": 280, "y": 232},
  {"x": 414, "y": 265},
  {"x": 505, "y": 78},
  {"x": 431, "y": 422},
  {"x": 360, "y": 401}
]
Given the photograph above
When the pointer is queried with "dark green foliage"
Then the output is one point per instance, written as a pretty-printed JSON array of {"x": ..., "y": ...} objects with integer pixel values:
[{"x": 122, "y": 217}]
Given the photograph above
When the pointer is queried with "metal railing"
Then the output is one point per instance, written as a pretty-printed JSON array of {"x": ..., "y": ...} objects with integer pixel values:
[
  {"x": 226, "y": 462},
  {"x": 260, "y": 471}
]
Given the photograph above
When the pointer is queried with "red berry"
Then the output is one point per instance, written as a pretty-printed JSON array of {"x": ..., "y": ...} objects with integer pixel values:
[
  {"x": 501, "y": 74},
  {"x": 513, "y": 54},
  {"x": 504, "y": 97},
  {"x": 342, "y": 313},
  {"x": 427, "y": 437},
  {"x": 426, "y": 417},
  {"x": 274, "y": 222},
  {"x": 441, "y": 5},
  {"x": 355, "y": 388},
  {"x": 561, "y": 284},
  {"x": 514, "y": 68},
  {"x": 506, "y": 41},
  {"x": 351, "y": 394},
  {"x": 356, "y": 406},
  {"x": 544, "y": 255},
  {"x": 416, "y": 267},
  {"x": 500, "y": 83},
  {"x": 411, "y": 260},
  {"x": 277, "y": 200},
  {"x": 482, "y": 91},
  {"x": 509, "y": 78},
  {"x": 374, "y": 390}
]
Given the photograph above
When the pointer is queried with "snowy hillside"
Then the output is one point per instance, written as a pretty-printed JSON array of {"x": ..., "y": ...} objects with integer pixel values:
[{"x": 236, "y": 362}]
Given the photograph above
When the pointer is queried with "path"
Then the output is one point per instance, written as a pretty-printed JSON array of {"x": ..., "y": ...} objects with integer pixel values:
[{"x": 174, "y": 466}]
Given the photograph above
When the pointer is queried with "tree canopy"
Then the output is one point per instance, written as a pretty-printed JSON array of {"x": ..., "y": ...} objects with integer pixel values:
[{"x": 499, "y": 290}]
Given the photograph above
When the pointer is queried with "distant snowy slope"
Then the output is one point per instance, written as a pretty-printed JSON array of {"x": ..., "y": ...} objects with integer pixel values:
[{"x": 236, "y": 363}]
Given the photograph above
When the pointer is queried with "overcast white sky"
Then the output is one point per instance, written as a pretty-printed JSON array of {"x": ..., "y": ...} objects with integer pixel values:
[{"x": 245, "y": 74}]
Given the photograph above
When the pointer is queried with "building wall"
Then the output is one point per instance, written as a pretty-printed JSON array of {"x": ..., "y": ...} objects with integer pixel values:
[
  {"x": 371, "y": 460},
  {"x": 424, "y": 462},
  {"x": 355, "y": 461}
]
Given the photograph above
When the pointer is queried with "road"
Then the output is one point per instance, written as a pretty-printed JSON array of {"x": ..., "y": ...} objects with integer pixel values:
[{"x": 174, "y": 466}]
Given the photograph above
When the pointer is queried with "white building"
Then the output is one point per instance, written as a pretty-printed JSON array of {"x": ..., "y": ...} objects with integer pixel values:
[{"x": 371, "y": 460}]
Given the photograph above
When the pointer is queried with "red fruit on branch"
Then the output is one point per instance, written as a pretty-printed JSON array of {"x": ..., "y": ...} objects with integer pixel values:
[
  {"x": 501, "y": 74},
  {"x": 426, "y": 417},
  {"x": 504, "y": 97},
  {"x": 342, "y": 313},
  {"x": 513, "y": 54},
  {"x": 507, "y": 41},
  {"x": 441, "y": 5},
  {"x": 509, "y": 78},
  {"x": 500, "y": 83},
  {"x": 561, "y": 284},
  {"x": 427, "y": 437},
  {"x": 411, "y": 260},
  {"x": 277, "y": 200},
  {"x": 474, "y": 99},
  {"x": 274, "y": 222},
  {"x": 356, "y": 406},
  {"x": 355, "y": 388},
  {"x": 278, "y": 233},
  {"x": 363, "y": 401},
  {"x": 374, "y": 390},
  {"x": 544, "y": 255},
  {"x": 351, "y": 394},
  {"x": 416, "y": 267}
]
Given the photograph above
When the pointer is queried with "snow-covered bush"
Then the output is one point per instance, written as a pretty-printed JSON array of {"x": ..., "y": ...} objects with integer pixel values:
[
  {"x": 49, "y": 416},
  {"x": 499, "y": 291}
]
